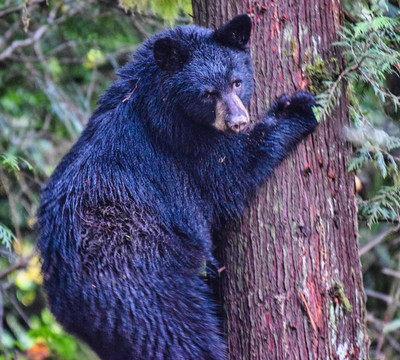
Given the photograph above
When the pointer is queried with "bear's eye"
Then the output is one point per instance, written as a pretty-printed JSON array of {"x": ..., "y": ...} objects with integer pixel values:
[
  {"x": 209, "y": 94},
  {"x": 237, "y": 84}
]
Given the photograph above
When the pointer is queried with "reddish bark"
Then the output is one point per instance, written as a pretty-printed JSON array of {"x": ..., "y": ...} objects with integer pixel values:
[{"x": 292, "y": 282}]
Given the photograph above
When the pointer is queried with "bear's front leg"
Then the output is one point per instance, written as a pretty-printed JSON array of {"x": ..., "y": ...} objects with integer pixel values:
[
  {"x": 289, "y": 121},
  {"x": 249, "y": 159}
]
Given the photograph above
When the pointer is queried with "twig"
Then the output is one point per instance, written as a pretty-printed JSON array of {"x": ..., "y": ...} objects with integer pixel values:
[
  {"x": 9, "y": 283},
  {"x": 8, "y": 35},
  {"x": 23, "y": 43},
  {"x": 390, "y": 311},
  {"x": 11, "y": 203},
  {"x": 16, "y": 306},
  {"x": 61, "y": 47},
  {"x": 393, "y": 342},
  {"x": 391, "y": 272},
  {"x": 1, "y": 326},
  {"x": 378, "y": 239},
  {"x": 91, "y": 87},
  {"x": 1, "y": 321},
  {"x": 18, "y": 265},
  {"x": 378, "y": 295},
  {"x": 342, "y": 75},
  {"x": 349, "y": 17},
  {"x": 7, "y": 253},
  {"x": 139, "y": 28},
  {"x": 379, "y": 324},
  {"x": 355, "y": 67},
  {"x": 375, "y": 84},
  {"x": 5, "y": 12},
  {"x": 376, "y": 322}
]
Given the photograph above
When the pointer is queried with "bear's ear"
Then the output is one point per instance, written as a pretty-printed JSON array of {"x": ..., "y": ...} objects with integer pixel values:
[
  {"x": 235, "y": 33},
  {"x": 170, "y": 54}
]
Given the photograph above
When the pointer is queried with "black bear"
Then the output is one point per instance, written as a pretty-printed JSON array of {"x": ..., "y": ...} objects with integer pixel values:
[{"x": 126, "y": 219}]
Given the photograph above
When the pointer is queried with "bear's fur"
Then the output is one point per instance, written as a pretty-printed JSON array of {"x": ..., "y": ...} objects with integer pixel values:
[{"x": 126, "y": 219}]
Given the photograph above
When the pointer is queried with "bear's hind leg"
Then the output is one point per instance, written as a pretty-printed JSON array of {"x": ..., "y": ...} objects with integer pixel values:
[{"x": 151, "y": 317}]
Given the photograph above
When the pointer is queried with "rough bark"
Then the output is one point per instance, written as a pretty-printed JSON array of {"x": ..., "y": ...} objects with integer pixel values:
[{"x": 292, "y": 283}]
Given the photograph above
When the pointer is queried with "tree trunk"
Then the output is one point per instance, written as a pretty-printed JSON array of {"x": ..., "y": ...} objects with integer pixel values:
[{"x": 292, "y": 283}]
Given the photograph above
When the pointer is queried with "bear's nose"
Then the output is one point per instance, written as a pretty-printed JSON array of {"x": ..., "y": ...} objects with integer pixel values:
[{"x": 238, "y": 123}]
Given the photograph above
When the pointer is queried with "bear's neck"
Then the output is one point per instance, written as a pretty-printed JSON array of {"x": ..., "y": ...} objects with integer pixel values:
[{"x": 174, "y": 133}]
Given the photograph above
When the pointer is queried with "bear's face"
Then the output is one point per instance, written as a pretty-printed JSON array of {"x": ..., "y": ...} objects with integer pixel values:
[
  {"x": 210, "y": 75},
  {"x": 218, "y": 88}
]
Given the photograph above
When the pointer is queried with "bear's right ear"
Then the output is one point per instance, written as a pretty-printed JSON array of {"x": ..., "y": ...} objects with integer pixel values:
[
  {"x": 170, "y": 54},
  {"x": 235, "y": 33}
]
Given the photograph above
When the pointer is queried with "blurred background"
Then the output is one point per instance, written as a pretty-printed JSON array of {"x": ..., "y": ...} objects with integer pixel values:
[{"x": 56, "y": 59}]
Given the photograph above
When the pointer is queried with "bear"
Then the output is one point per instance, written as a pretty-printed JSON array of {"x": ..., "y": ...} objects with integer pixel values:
[{"x": 169, "y": 156}]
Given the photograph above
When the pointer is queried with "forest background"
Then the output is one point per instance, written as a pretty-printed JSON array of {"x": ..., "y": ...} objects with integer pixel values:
[{"x": 58, "y": 57}]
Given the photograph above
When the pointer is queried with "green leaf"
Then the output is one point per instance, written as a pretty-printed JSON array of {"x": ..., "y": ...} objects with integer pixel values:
[
  {"x": 317, "y": 114},
  {"x": 380, "y": 160},
  {"x": 11, "y": 163},
  {"x": 6, "y": 236},
  {"x": 166, "y": 9}
]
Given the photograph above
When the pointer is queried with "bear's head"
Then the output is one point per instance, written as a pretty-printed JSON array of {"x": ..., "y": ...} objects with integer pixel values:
[{"x": 207, "y": 75}]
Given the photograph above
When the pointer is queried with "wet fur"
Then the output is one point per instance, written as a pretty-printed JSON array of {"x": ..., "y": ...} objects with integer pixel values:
[{"x": 126, "y": 219}]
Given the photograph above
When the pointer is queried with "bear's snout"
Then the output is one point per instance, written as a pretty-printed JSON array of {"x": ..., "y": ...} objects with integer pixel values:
[
  {"x": 237, "y": 123},
  {"x": 231, "y": 114}
]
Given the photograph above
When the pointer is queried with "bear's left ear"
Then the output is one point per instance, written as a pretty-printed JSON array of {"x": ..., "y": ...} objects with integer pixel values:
[
  {"x": 235, "y": 33},
  {"x": 170, "y": 54}
]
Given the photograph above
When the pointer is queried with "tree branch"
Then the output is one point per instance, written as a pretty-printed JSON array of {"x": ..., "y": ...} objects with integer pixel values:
[
  {"x": 4, "y": 12},
  {"x": 378, "y": 239},
  {"x": 23, "y": 43},
  {"x": 18, "y": 265}
]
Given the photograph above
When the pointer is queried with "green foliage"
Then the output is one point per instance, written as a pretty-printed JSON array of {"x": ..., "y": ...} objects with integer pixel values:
[
  {"x": 318, "y": 74},
  {"x": 6, "y": 236},
  {"x": 370, "y": 42},
  {"x": 317, "y": 114},
  {"x": 374, "y": 24},
  {"x": 374, "y": 145},
  {"x": 59, "y": 342},
  {"x": 11, "y": 163},
  {"x": 383, "y": 206},
  {"x": 371, "y": 50},
  {"x": 48, "y": 90},
  {"x": 166, "y": 9}
]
